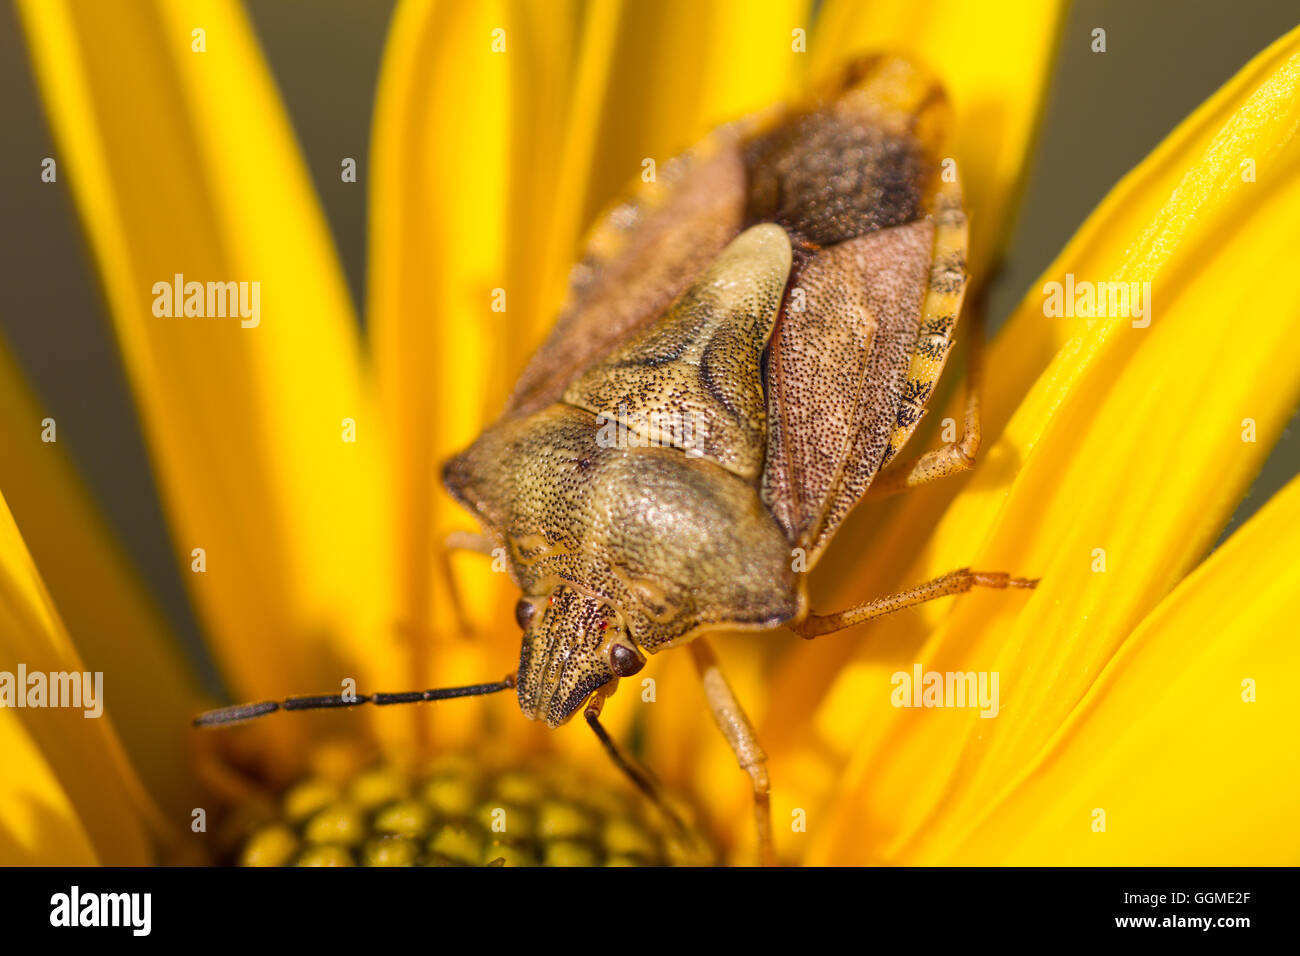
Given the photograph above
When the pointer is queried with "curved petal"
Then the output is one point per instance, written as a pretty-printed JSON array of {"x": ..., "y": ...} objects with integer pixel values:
[
  {"x": 1133, "y": 441},
  {"x": 68, "y": 790},
  {"x": 679, "y": 68},
  {"x": 113, "y": 621},
  {"x": 1195, "y": 709},
  {"x": 996, "y": 69},
  {"x": 437, "y": 208},
  {"x": 39, "y": 825},
  {"x": 185, "y": 165}
]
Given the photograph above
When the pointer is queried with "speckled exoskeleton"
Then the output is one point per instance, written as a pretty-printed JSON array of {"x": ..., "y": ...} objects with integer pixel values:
[{"x": 747, "y": 345}]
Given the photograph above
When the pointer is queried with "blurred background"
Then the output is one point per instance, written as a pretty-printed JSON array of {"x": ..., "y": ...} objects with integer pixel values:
[{"x": 1104, "y": 114}]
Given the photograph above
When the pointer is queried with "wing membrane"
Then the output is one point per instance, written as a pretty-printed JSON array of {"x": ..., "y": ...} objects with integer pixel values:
[{"x": 869, "y": 316}]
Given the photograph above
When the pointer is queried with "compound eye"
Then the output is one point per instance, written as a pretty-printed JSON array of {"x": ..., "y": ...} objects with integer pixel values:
[
  {"x": 624, "y": 661},
  {"x": 524, "y": 612}
]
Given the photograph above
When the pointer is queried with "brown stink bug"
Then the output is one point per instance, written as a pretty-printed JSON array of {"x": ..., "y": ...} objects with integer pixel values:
[{"x": 746, "y": 347}]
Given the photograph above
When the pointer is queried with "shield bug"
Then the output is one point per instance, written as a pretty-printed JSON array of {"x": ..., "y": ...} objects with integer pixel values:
[{"x": 746, "y": 347}]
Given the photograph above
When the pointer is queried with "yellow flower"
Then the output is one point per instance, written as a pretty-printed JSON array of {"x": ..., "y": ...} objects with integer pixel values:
[{"x": 1124, "y": 691}]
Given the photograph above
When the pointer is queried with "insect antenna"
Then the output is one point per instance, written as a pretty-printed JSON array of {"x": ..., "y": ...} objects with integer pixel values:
[{"x": 238, "y": 713}]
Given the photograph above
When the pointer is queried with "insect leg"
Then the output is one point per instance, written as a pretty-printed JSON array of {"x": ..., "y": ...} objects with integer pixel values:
[
  {"x": 736, "y": 727},
  {"x": 460, "y": 541},
  {"x": 640, "y": 778},
  {"x": 954, "y": 582},
  {"x": 954, "y": 457}
]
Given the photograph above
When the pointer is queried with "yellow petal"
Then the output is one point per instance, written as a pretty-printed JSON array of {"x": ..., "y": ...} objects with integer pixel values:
[
  {"x": 995, "y": 67},
  {"x": 678, "y": 69},
  {"x": 1186, "y": 741},
  {"x": 1131, "y": 441},
  {"x": 68, "y": 793},
  {"x": 437, "y": 206},
  {"x": 113, "y": 621},
  {"x": 185, "y": 164},
  {"x": 39, "y": 826}
]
